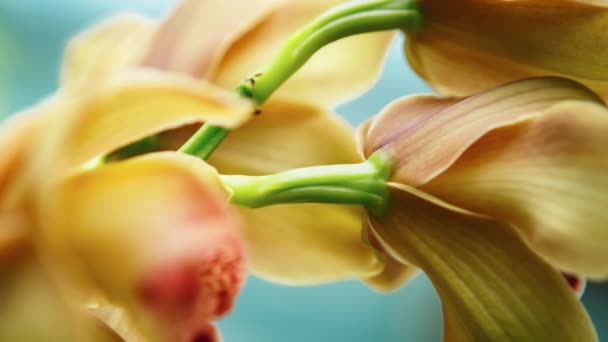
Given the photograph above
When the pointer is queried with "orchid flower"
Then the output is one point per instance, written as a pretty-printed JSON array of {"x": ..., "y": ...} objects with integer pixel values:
[
  {"x": 221, "y": 42},
  {"x": 153, "y": 235},
  {"x": 120, "y": 83},
  {"x": 469, "y": 46},
  {"x": 491, "y": 196}
]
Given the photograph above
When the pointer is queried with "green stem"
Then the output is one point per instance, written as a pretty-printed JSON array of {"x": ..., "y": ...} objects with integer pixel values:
[
  {"x": 363, "y": 183},
  {"x": 204, "y": 141},
  {"x": 349, "y": 19}
]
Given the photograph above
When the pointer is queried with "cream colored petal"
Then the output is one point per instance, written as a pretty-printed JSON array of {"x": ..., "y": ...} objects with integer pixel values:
[
  {"x": 335, "y": 74},
  {"x": 469, "y": 46},
  {"x": 284, "y": 136},
  {"x": 303, "y": 244},
  {"x": 100, "y": 52},
  {"x": 298, "y": 243},
  {"x": 194, "y": 37},
  {"x": 548, "y": 176},
  {"x": 427, "y": 135},
  {"x": 492, "y": 287},
  {"x": 156, "y": 235},
  {"x": 137, "y": 104}
]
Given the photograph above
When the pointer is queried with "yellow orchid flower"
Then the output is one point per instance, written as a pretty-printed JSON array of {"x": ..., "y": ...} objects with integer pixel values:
[
  {"x": 491, "y": 196},
  {"x": 468, "y": 46},
  {"x": 153, "y": 234},
  {"x": 221, "y": 42},
  {"x": 121, "y": 83}
]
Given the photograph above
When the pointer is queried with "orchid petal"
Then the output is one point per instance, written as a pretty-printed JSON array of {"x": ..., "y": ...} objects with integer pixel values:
[
  {"x": 194, "y": 37},
  {"x": 469, "y": 46},
  {"x": 298, "y": 243},
  {"x": 136, "y": 105},
  {"x": 491, "y": 285},
  {"x": 35, "y": 308},
  {"x": 156, "y": 234},
  {"x": 427, "y": 135},
  {"x": 99, "y": 52},
  {"x": 547, "y": 176},
  {"x": 335, "y": 74},
  {"x": 17, "y": 137},
  {"x": 395, "y": 272}
]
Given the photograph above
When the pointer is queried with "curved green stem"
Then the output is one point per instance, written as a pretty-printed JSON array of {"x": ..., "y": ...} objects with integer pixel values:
[
  {"x": 363, "y": 183},
  {"x": 349, "y": 19},
  {"x": 296, "y": 52}
]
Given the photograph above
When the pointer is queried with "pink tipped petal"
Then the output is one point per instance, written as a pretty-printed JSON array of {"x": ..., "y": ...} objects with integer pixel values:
[
  {"x": 427, "y": 135},
  {"x": 546, "y": 175}
]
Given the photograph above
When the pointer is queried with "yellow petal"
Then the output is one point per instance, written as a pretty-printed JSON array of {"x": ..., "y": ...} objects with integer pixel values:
[
  {"x": 117, "y": 320},
  {"x": 395, "y": 272},
  {"x": 156, "y": 235},
  {"x": 34, "y": 308},
  {"x": 99, "y": 52},
  {"x": 468, "y": 46},
  {"x": 131, "y": 107},
  {"x": 492, "y": 287},
  {"x": 298, "y": 243},
  {"x": 547, "y": 176},
  {"x": 426, "y": 135},
  {"x": 335, "y": 74},
  {"x": 18, "y": 134},
  {"x": 194, "y": 37}
]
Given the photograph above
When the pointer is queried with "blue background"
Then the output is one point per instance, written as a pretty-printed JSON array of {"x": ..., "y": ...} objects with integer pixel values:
[{"x": 32, "y": 36}]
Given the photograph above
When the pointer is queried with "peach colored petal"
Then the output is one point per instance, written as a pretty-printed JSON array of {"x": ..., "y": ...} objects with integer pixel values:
[
  {"x": 427, "y": 135},
  {"x": 547, "y": 176}
]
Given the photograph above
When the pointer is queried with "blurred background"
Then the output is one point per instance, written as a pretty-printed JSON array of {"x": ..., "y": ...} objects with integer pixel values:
[{"x": 33, "y": 34}]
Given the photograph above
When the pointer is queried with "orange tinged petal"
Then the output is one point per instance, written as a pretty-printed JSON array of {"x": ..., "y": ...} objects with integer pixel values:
[
  {"x": 547, "y": 176},
  {"x": 426, "y": 135}
]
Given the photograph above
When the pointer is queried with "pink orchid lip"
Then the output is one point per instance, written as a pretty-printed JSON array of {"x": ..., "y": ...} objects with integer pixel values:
[{"x": 196, "y": 286}]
